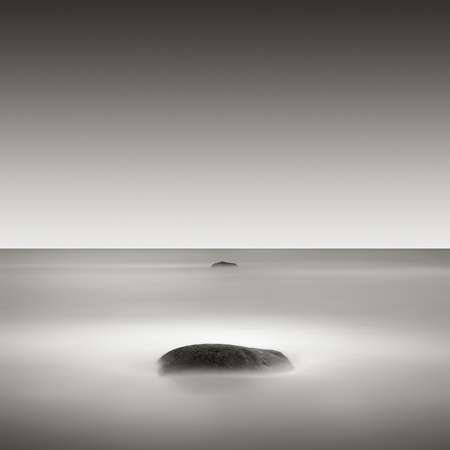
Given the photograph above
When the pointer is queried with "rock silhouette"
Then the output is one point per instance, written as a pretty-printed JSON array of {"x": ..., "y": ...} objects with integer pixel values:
[
  {"x": 224, "y": 264},
  {"x": 222, "y": 357}
]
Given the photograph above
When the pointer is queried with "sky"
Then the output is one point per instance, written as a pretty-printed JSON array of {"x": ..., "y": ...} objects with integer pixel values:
[{"x": 224, "y": 125}]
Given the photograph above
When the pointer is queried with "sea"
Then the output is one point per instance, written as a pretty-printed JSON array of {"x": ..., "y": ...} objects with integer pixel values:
[{"x": 368, "y": 333}]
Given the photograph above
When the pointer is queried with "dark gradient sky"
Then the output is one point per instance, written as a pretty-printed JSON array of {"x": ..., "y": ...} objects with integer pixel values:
[{"x": 224, "y": 125}]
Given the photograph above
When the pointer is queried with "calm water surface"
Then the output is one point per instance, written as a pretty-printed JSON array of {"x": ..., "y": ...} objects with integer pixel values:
[{"x": 368, "y": 333}]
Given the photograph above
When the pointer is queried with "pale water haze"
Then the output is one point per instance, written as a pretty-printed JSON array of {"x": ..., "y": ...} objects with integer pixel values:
[{"x": 367, "y": 331}]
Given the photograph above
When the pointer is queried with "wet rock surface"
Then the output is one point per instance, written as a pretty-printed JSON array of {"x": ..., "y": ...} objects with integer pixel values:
[
  {"x": 222, "y": 357},
  {"x": 224, "y": 264}
]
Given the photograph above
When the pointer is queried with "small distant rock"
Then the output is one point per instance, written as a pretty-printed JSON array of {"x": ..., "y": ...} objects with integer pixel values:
[
  {"x": 222, "y": 357},
  {"x": 224, "y": 264}
]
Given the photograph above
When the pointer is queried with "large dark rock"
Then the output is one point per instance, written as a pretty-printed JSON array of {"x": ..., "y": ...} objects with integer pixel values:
[
  {"x": 222, "y": 357},
  {"x": 224, "y": 264}
]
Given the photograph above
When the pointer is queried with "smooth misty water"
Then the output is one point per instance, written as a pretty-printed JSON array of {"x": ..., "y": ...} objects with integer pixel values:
[{"x": 368, "y": 334}]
